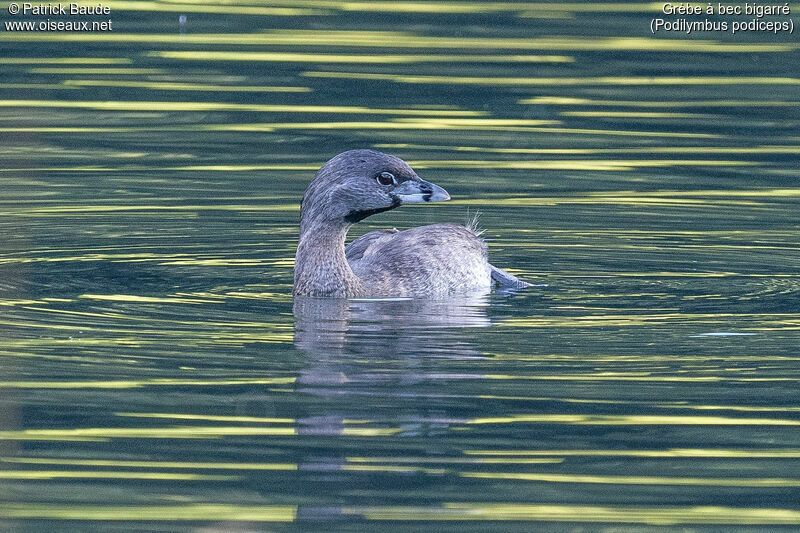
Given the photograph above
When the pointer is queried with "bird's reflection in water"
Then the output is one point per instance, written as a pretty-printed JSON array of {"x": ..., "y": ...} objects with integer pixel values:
[
  {"x": 374, "y": 347},
  {"x": 399, "y": 326}
]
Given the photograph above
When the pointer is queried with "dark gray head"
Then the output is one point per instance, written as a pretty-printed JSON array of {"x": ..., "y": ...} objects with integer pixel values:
[{"x": 359, "y": 183}]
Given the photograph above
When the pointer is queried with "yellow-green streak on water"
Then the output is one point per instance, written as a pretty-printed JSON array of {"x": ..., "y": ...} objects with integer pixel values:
[
  {"x": 167, "y": 513},
  {"x": 584, "y": 514}
]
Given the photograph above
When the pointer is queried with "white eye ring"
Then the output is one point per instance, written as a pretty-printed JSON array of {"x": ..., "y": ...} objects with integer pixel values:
[{"x": 386, "y": 178}]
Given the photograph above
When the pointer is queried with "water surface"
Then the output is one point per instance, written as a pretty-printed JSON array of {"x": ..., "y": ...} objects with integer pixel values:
[{"x": 157, "y": 375}]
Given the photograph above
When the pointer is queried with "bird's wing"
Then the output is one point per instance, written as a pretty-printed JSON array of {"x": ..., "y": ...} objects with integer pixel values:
[
  {"x": 435, "y": 259},
  {"x": 359, "y": 247}
]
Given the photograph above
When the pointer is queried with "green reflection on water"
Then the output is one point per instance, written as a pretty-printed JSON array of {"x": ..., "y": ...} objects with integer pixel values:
[{"x": 156, "y": 369}]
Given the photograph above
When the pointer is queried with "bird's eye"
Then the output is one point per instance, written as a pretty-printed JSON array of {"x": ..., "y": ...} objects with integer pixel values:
[{"x": 386, "y": 178}]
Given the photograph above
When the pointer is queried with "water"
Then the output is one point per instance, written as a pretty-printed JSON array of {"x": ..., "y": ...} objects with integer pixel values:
[{"x": 158, "y": 376}]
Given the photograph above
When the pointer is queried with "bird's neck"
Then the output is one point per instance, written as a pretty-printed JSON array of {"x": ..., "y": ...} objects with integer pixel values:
[{"x": 320, "y": 265}]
